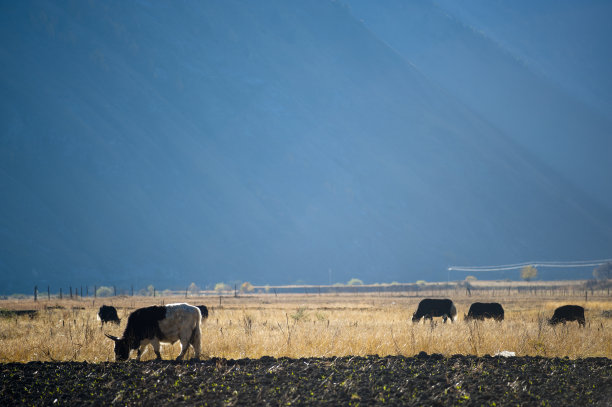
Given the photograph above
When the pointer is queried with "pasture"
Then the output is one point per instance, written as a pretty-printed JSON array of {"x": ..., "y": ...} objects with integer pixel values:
[{"x": 326, "y": 325}]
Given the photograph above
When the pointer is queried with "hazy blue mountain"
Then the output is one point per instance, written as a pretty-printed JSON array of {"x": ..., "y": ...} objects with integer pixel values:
[
  {"x": 564, "y": 41},
  {"x": 537, "y": 72},
  {"x": 164, "y": 143}
]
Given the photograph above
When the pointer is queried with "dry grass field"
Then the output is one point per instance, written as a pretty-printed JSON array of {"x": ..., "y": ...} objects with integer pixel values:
[{"x": 299, "y": 325}]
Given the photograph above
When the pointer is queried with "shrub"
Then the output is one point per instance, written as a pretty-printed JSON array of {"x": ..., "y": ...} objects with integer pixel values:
[
  {"x": 246, "y": 287},
  {"x": 104, "y": 291},
  {"x": 220, "y": 287},
  {"x": 529, "y": 273},
  {"x": 603, "y": 271},
  {"x": 193, "y": 289},
  {"x": 355, "y": 281}
]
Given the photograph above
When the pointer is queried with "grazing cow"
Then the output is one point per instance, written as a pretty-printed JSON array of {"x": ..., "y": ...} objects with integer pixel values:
[
  {"x": 203, "y": 311},
  {"x": 108, "y": 313},
  {"x": 429, "y": 308},
  {"x": 482, "y": 310},
  {"x": 568, "y": 313},
  {"x": 157, "y": 324}
]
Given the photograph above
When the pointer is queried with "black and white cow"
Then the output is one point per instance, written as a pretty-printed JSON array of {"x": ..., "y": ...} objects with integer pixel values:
[
  {"x": 108, "y": 313},
  {"x": 156, "y": 324},
  {"x": 568, "y": 313},
  {"x": 429, "y": 308},
  {"x": 203, "y": 311},
  {"x": 482, "y": 310}
]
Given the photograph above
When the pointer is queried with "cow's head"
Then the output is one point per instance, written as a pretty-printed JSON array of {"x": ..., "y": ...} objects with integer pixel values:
[
  {"x": 122, "y": 350},
  {"x": 415, "y": 318}
]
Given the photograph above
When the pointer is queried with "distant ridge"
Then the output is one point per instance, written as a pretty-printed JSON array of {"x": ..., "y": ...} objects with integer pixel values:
[{"x": 267, "y": 142}]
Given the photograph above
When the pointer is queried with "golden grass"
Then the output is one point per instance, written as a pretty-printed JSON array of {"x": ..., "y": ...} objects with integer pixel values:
[{"x": 313, "y": 326}]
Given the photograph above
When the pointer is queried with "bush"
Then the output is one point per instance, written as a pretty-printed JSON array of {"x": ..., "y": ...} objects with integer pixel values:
[
  {"x": 354, "y": 281},
  {"x": 529, "y": 273},
  {"x": 104, "y": 291},
  {"x": 246, "y": 287},
  {"x": 603, "y": 271},
  {"x": 220, "y": 287},
  {"x": 193, "y": 289}
]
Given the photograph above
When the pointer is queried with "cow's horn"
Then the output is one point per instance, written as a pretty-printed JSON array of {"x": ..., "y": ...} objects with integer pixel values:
[{"x": 114, "y": 338}]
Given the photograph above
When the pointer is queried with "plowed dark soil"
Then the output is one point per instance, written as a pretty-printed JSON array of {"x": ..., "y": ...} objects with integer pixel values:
[{"x": 420, "y": 380}]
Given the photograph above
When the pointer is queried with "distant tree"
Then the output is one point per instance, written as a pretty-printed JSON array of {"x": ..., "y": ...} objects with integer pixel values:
[
  {"x": 421, "y": 282},
  {"x": 529, "y": 273},
  {"x": 220, "y": 287},
  {"x": 355, "y": 281},
  {"x": 470, "y": 279},
  {"x": 193, "y": 289},
  {"x": 603, "y": 271},
  {"x": 246, "y": 287},
  {"x": 104, "y": 291}
]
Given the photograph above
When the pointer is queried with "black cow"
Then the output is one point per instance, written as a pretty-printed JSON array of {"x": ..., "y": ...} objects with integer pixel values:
[
  {"x": 568, "y": 313},
  {"x": 203, "y": 311},
  {"x": 429, "y": 308},
  {"x": 482, "y": 310},
  {"x": 157, "y": 324},
  {"x": 108, "y": 313}
]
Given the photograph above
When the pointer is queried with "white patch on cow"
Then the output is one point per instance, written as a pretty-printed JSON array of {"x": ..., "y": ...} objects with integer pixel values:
[
  {"x": 453, "y": 311},
  {"x": 181, "y": 322}
]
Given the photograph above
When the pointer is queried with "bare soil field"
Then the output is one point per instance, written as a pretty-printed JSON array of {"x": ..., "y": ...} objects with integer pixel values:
[{"x": 396, "y": 380}]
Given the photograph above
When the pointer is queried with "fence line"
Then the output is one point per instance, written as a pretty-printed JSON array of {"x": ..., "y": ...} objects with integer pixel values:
[{"x": 586, "y": 289}]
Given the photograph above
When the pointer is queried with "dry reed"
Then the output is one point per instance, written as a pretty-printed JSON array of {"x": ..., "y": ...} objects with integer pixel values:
[{"x": 312, "y": 326}]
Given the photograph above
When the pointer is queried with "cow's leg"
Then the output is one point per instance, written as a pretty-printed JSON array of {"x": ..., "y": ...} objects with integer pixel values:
[
  {"x": 184, "y": 347},
  {"x": 141, "y": 349},
  {"x": 156, "y": 347},
  {"x": 196, "y": 342}
]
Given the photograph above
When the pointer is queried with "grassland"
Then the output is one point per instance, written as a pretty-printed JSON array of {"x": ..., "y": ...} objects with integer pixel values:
[{"x": 300, "y": 325}]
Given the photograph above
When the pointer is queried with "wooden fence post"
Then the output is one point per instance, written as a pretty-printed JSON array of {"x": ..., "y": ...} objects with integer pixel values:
[{"x": 35, "y": 293}]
